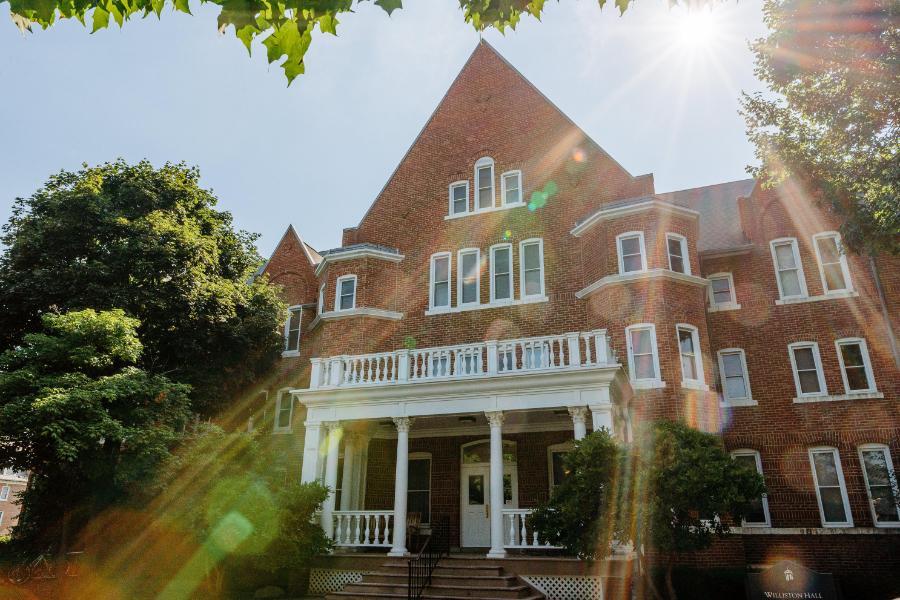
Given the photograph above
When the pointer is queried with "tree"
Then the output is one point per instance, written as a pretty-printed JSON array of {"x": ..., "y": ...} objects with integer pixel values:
[
  {"x": 87, "y": 424},
  {"x": 686, "y": 488},
  {"x": 289, "y": 25},
  {"x": 833, "y": 124},
  {"x": 581, "y": 514},
  {"x": 150, "y": 242}
]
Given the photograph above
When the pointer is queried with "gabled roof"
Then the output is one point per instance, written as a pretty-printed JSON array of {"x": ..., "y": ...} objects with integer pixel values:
[
  {"x": 720, "y": 219},
  {"x": 312, "y": 256}
]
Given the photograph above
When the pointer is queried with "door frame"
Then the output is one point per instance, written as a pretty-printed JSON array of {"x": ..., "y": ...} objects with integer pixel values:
[{"x": 508, "y": 467}]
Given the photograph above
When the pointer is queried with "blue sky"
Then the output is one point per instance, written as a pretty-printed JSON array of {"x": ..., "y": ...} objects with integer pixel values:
[{"x": 656, "y": 88}]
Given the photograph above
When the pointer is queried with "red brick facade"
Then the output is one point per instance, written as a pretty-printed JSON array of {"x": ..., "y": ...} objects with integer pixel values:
[{"x": 491, "y": 110}]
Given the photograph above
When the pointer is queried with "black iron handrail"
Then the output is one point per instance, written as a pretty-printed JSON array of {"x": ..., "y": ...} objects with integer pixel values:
[{"x": 421, "y": 566}]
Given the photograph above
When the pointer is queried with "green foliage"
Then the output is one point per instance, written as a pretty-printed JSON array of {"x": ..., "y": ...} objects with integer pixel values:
[
  {"x": 832, "y": 125},
  {"x": 581, "y": 514},
  {"x": 286, "y": 28},
  {"x": 77, "y": 413},
  {"x": 150, "y": 242}
]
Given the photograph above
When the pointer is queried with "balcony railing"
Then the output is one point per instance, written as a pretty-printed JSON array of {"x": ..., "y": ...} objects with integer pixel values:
[
  {"x": 519, "y": 533},
  {"x": 482, "y": 359},
  {"x": 363, "y": 528}
]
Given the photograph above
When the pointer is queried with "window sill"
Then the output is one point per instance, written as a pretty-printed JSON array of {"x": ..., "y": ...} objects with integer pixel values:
[
  {"x": 484, "y": 210},
  {"x": 741, "y": 402},
  {"x": 831, "y": 296},
  {"x": 376, "y": 313},
  {"x": 290, "y": 353},
  {"x": 695, "y": 385},
  {"x": 467, "y": 307},
  {"x": 826, "y": 398},
  {"x": 283, "y": 431},
  {"x": 648, "y": 384},
  {"x": 723, "y": 307}
]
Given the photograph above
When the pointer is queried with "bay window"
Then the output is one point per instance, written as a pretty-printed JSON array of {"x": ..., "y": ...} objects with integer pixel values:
[
  {"x": 632, "y": 257},
  {"x": 345, "y": 297},
  {"x": 676, "y": 246}
]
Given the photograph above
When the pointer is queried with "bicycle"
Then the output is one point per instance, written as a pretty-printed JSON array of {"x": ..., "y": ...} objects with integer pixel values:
[{"x": 42, "y": 567}]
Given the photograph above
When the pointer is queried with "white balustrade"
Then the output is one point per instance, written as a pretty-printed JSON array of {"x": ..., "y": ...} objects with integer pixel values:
[
  {"x": 363, "y": 528},
  {"x": 519, "y": 533},
  {"x": 483, "y": 359}
]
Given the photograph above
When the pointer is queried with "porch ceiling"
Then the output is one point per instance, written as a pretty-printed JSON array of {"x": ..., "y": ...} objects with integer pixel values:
[{"x": 470, "y": 424}]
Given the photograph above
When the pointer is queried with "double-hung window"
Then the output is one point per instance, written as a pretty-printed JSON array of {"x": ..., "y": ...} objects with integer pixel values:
[
  {"x": 643, "y": 358},
  {"x": 556, "y": 457},
  {"x": 511, "y": 187},
  {"x": 788, "y": 269},
  {"x": 691, "y": 360},
  {"x": 484, "y": 184},
  {"x": 807, "y": 366},
  {"x": 831, "y": 491},
  {"x": 856, "y": 369},
  {"x": 468, "y": 265},
  {"x": 881, "y": 484},
  {"x": 832, "y": 262},
  {"x": 440, "y": 280},
  {"x": 721, "y": 291},
  {"x": 284, "y": 411},
  {"x": 501, "y": 273},
  {"x": 632, "y": 257},
  {"x": 418, "y": 494},
  {"x": 734, "y": 377},
  {"x": 758, "y": 514},
  {"x": 676, "y": 246},
  {"x": 345, "y": 297},
  {"x": 292, "y": 329},
  {"x": 531, "y": 257},
  {"x": 459, "y": 198},
  {"x": 4, "y": 493}
]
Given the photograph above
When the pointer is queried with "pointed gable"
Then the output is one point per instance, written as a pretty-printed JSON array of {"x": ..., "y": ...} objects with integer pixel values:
[
  {"x": 292, "y": 266},
  {"x": 491, "y": 110}
]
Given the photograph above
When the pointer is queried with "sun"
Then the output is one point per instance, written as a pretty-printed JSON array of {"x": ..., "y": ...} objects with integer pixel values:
[{"x": 696, "y": 28}]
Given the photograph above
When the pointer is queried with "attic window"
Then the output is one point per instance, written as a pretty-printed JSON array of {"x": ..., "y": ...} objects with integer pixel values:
[{"x": 484, "y": 183}]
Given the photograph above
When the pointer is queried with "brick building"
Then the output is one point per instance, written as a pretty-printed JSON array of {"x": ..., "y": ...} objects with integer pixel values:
[
  {"x": 512, "y": 287},
  {"x": 12, "y": 483}
]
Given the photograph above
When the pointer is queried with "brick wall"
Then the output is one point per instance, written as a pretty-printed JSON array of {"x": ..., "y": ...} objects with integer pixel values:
[{"x": 10, "y": 507}]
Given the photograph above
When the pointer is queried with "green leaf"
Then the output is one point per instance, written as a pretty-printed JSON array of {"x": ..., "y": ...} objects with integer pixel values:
[
  {"x": 182, "y": 6},
  {"x": 389, "y": 5},
  {"x": 328, "y": 24},
  {"x": 100, "y": 19}
]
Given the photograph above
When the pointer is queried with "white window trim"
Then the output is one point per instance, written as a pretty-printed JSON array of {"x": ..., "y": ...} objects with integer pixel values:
[
  {"x": 644, "y": 383},
  {"x": 684, "y": 252},
  {"x": 700, "y": 382},
  {"x": 765, "y": 497},
  {"x": 640, "y": 235},
  {"x": 512, "y": 288},
  {"x": 287, "y": 331},
  {"x": 432, "y": 281},
  {"x": 423, "y": 456},
  {"x": 337, "y": 292},
  {"x": 1, "y": 517},
  {"x": 890, "y": 465},
  {"x": 560, "y": 448},
  {"x": 820, "y": 372},
  {"x": 726, "y": 401},
  {"x": 841, "y": 483},
  {"x": 873, "y": 387},
  {"x": 460, "y": 276},
  {"x": 503, "y": 188},
  {"x": 731, "y": 304},
  {"x": 845, "y": 267},
  {"x": 483, "y": 162},
  {"x": 522, "y": 244},
  {"x": 320, "y": 308},
  {"x": 4, "y": 492},
  {"x": 450, "y": 189},
  {"x": 279, "y": 396},
  {"x": 801, "y": 277}
]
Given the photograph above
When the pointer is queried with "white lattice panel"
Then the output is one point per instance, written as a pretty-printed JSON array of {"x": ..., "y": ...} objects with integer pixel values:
[
  {"x": 325, "y": 581},
  {"x": 557, "y": 587}
]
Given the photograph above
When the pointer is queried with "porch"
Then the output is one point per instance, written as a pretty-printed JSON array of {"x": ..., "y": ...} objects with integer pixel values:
[{"x": 455, "y": 432}]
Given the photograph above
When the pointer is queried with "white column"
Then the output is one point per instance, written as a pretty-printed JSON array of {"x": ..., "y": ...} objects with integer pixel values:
[
  {"x": 401, "y": 485},
  {"x": 579, "y": 414},
  {"x": 333, "y": 444},
  {"x": 362, "y": 468},
  {"x": 495, "y": 418},
  {"x": 348, "y": 490},
  {"x": 601, "y": 415},
  {"x": 311, "y": 456}
]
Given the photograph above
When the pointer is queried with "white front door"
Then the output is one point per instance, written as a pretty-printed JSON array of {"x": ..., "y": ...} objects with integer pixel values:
[{"x": 475, "y": 529}]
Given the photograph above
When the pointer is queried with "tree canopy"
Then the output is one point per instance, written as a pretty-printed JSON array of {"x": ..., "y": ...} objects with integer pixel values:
[
  {"x": 286, "y": 28},
  {"x": 78, "y": 414},
  {"x": 150, "y": 242},
  {"x": 833, "y": 125}
]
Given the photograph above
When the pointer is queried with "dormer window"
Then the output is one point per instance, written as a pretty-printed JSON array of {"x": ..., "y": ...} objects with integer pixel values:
[
  {"x": 345, "y": 298},
  {"x": 676, "y": 245},
  {"x": 459, "y": 198},
  {"x": 484, "y": 184},
  {"x": 511, "y": 187}
]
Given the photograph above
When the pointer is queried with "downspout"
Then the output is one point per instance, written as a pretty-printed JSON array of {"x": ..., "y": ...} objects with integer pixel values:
[{"x": 884, "y": 310}]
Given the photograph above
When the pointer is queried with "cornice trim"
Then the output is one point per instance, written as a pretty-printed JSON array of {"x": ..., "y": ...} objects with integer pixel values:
[
  {"x": 630, "y": 209},
  {"x": 649, "y": 275},
  {"x": 358, "y": 253}
]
